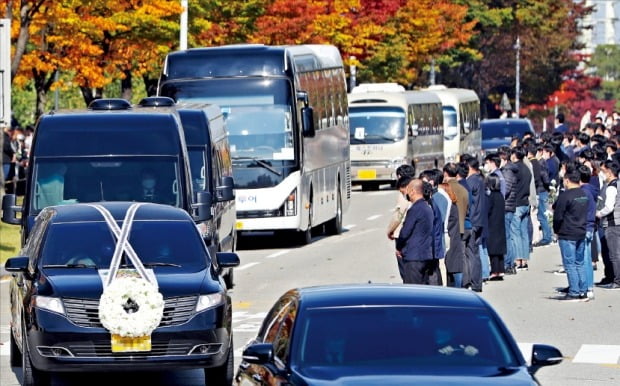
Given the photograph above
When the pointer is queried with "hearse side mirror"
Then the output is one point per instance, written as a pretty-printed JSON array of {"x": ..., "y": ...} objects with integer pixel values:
[
  {"x": 10, "y": 210},
  {"x": 227, "y": 259},
  {"x": 226, "y": 192},
  {"x": 202, "y": 206},
  {"x": 17, "y": 264},
  {"x": 544, "y": 355},
  {"x": 259, "y": 353}
]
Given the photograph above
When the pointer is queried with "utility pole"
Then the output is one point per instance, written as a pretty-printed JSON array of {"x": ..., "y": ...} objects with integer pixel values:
[
  {"x": 183, "y": 29},
  {"x": 517, "y": 75},
  {"x": 352, "y": 73},
  {"x": 432, "y": 73}
]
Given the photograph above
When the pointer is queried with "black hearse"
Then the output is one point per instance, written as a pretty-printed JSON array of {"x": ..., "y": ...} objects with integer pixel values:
[
  {"x": 56, "y": 287},
  {"x": 112, "y": 152}
]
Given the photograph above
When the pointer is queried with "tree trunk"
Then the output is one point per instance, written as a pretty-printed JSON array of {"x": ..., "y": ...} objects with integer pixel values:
[
  {"x": 90, "y": 94},
  {"x": 151, "y": 85},
  {"x": 27, "y": 12},
  {"x": 126, "y": 86}
]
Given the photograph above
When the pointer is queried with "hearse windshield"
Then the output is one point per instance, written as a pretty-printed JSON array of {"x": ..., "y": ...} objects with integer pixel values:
[
  {"x": 259, "y": 120},
  {"x": 376, "y": 125},
  {"x": 170, "y": 245},
  {"x": 68, "y": 180}
]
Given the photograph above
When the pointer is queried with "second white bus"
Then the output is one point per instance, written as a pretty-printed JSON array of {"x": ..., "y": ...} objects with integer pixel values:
[{"x": 391, "y": 128}]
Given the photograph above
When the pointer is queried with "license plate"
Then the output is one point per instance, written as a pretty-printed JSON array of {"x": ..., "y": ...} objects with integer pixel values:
[
  {"x": 128, "y": 344},
  {"x": 239, "y": 225},
  {"x": 367, "y": 174}
]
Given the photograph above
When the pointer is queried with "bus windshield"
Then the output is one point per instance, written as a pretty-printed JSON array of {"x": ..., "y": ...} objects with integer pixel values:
[
  {"x": 258, "y": 114},
  {"x": 376, "y": 125},
  {"x": 69, "y": 180}
]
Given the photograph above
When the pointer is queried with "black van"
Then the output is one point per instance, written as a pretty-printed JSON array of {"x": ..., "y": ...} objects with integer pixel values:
[
  {"x": 57, "y": 285},
  {"x": 112, "y": 152}
]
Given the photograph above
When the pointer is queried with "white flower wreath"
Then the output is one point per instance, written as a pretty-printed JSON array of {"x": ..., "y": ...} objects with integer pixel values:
[{"x": 131, "y": 307}]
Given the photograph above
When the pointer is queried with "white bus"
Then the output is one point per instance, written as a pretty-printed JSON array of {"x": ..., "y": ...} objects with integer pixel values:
[
  {"x": 390, "y": 128},
  {"x": 461, "y": 119},
  {"x": 288, "y": 126}
]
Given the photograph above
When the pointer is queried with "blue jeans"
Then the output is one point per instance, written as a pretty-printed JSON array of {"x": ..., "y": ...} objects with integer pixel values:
[
  {"x": 543, "y": 197},
  {"x": 509, "y": 259},
  {"x": 519, "y": 234},
  {"x": 455, "y": 279},
  {"x": 484, "y": 260},
  {"x": 5, "y": 170},
  {"x": 587, "y": 260},
  {"x": 572, "y": 259}
]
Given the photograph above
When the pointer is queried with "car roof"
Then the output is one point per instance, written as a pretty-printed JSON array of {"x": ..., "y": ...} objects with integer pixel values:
[
  {"x": 86, "y": 213},
  {"x": 506, "y": 121},
  {"x": 387, "y": 294}
]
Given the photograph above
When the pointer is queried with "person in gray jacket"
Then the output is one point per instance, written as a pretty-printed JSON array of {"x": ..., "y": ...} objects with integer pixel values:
[
  {"x": 610, "y": 222},
  {"x": 509, "y": 171}
]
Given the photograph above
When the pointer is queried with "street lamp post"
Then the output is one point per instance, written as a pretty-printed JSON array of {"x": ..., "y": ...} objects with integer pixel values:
[
  {"x": 183, "y": 26},
  {"x": 517, "y": 75}
]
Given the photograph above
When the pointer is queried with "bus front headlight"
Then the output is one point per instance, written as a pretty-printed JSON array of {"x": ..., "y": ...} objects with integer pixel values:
[{"x": 290, "y": 205}]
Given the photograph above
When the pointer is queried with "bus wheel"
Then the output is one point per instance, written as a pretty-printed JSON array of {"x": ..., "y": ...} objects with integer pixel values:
[
  {"x": 305, "y": 237},
  {"x": 334, "y": 226}
]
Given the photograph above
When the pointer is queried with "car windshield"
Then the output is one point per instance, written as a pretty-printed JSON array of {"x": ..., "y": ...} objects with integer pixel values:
[
  {"x": 69, "y": 180},
  {"x": 158, "y": 244},
  {"x": 491, "y": 130},
  {"x": 418, "y": 339}
]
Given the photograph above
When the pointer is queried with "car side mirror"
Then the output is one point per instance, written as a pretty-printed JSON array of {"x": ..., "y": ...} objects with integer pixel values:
[
  {"x": 544, "y": 355},
  {"x": 226, "y": 192},
  {"x": 10, "y": 210},
  {"x": 17, "y": 264},
  {"x": 227, "y": 259},
  {"x": 259, "y": 353},
  {"x": 202, "y": 206},
  {"x": 307, "y": 122}
]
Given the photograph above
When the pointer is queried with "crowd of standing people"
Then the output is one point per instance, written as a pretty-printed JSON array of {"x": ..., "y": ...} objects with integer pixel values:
[{"x": 478, "y": 221}]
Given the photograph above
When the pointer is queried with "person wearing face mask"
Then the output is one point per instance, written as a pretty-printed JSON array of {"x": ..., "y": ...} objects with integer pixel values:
[
  {"x": 398, "y": 216},
  {"x": 492, "y": 162},
  {"x": 415, "y": 241}
]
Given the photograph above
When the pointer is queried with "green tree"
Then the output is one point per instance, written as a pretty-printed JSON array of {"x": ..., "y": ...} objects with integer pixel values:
[{"x": 606, "y": 62}]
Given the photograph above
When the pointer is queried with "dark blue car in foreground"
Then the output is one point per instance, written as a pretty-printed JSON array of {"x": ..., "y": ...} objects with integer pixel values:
[
  {"x": 57, "y": 285},
  {"x": 386, "y": 335}
]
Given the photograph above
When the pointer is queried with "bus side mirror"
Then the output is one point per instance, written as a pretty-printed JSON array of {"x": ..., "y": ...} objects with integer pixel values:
[
  {"x": 10, "y": 210},
  {"x": 307, "y": 122},
  {"x": 413, "y": 131},
  {"x": 226, "y": 192},
  {"x": 202, "y": 206}
]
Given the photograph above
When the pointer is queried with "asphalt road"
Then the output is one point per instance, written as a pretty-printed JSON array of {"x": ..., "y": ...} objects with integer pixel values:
[{"x": 588, "y": 334}]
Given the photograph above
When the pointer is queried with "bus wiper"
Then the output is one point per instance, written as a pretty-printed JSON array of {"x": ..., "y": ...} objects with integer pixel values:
[
  {"x": 262, "y": 163},
  {"x": 358, "y": 140},
  {"x": 392, "y": 139},
  {"x": 70, "y": 266}
]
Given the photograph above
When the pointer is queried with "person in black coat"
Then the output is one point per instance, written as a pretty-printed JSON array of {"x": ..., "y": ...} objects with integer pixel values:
[
  {"x": 496, "y": 243},
  {"x": 455, "y": 255}
]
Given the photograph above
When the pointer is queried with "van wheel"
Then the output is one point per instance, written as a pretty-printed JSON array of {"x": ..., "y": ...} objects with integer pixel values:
[
  {"x": 30, "y": 375},
  {"x": 334, "y": 226},
  {"x": 223, "y": 374},
  {"x": 15, "y": 354}
]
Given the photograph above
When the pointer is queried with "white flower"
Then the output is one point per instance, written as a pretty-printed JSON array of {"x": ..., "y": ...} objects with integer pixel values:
[{"x": 131, "y": 307}]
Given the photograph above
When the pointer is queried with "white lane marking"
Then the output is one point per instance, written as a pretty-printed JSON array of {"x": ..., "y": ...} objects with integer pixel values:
[
  {"x": 246, "y": 266},
  {"x": 602, "y": 354},
  {"x": 280, "y": 253},
  {"x": 374, "y": 217}
]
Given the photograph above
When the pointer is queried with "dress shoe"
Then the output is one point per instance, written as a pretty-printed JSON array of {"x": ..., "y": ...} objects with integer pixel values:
[{"x": 610, "y": 286}]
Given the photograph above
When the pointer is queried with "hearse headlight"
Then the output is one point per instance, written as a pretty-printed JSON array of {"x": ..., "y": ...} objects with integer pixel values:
[
  {"x": 49, "y": 304},
  {"x": 209, "y": 301}
]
